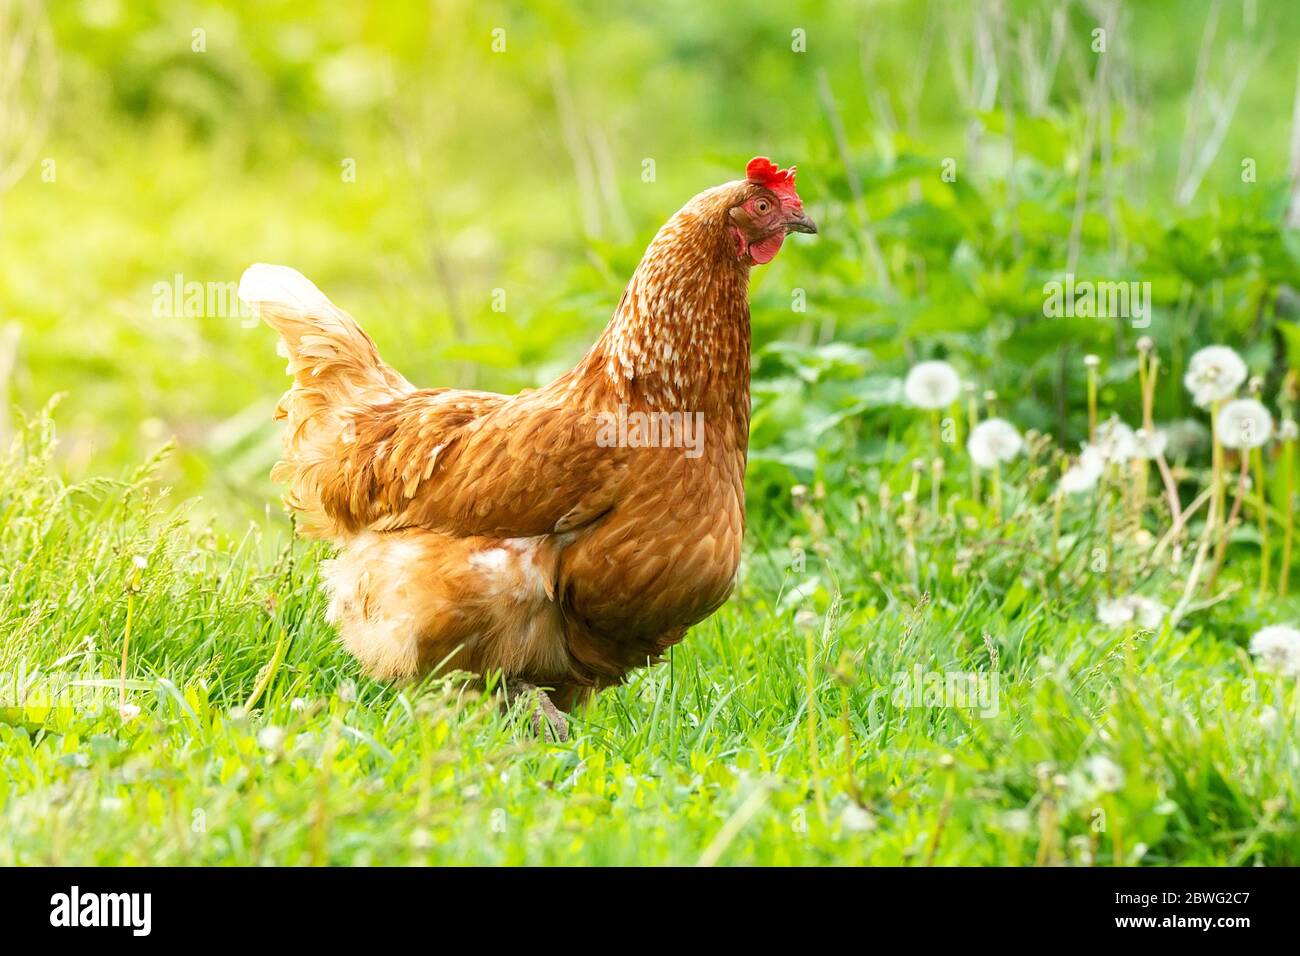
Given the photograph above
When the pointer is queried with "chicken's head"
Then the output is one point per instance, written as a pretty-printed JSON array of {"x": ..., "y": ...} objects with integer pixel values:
[{"x": 768, "y": 210}]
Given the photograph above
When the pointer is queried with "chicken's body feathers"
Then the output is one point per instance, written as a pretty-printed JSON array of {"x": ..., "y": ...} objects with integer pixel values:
[{"x": 492, "y": 532}]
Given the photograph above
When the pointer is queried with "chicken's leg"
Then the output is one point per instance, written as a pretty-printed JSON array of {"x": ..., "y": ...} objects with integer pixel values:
[{"x": 545, "y": 715}]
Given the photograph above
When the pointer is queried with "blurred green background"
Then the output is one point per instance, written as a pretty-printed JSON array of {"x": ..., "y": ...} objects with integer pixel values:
[{"x": 412, "y": 158}]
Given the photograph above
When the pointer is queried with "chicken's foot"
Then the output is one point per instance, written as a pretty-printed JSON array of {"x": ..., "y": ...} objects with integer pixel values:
[{"x": 545, "y": 715}]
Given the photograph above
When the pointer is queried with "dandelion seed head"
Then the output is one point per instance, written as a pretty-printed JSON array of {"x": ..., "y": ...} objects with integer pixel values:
[
  {"x": 1131, "y": 609},
  {"x": 1106, "y": 774},
  {"x": 1016, "y": 821},
  {"x": 270, "y": 737},
  {"x": 856, "y": 819},
  {"x": 1244, "y": 423},
  {"x": 992, "y": 441},
  {"x": 1213, "y": 374},
  {"x": 1149, "y": 443},
  {"x": 932, "y": 385},
  {"x": 1113, "y": 612},
  {"x": 1277, "y": 649},
  {"x": 1116, "y": 442}
]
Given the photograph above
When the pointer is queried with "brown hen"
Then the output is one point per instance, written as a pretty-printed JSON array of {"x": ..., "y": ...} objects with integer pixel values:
[{"x": 562, "y": 536}]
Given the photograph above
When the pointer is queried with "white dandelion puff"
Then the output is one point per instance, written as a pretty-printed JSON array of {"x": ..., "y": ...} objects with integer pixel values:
[
  {"x": 1148, "y": 613},
  {"x": 1244, "y": 423},
  {"x": 1114, "y": 612},
  {"x": 1287, "y": 430},
  {"x": 1214, "y": 373},
  {"x": 1150, "y": 443},
  {"x": 270, "y": 737},
  {"x": 992, "y": 441},
  {"x": 932, "y": 385},
  {"x": 856, "y": 819},
  {"x": 1277, "y": 648},
  {"x": 1133, "y": 608},
  {"x": 1116, "y": 442},
  {"x": 1078, "y": 480},
  {"x": 1106, "y": 774},
  {"x": 1016, "y": 821}
]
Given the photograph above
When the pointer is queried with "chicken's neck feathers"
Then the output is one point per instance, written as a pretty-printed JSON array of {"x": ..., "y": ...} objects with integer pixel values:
[{"x": 679, "y": 339}]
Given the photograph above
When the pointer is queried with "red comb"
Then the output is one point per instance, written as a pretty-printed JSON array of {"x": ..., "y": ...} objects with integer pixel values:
[{"x": 764, "y": 172}]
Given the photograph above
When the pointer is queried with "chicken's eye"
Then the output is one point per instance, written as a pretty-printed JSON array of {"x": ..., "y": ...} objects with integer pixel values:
[{"x": 762, "y": 206}]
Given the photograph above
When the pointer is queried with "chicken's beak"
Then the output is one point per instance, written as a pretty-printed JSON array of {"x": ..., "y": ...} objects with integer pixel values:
[{"x": 800, "y": 223}]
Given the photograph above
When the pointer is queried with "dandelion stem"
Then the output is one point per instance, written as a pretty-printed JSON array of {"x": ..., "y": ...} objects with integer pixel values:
[
  {"x": 1261, "y": 503},
  {"x": 1092, "y": 403},
  {"x": 1058, "y": 506},
  {"x": 810, "y": 688},
  {"x": 1238, "y": 495},
  {"x": 1216, "y": 482},
  {"x": 126, "y": 648},
  {"x": 1288, "y": 531},
  {"x": 997, "y": 492}
]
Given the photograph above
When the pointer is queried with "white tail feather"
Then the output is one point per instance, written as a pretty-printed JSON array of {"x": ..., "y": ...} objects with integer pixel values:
[{"x": 283, "y": 287}]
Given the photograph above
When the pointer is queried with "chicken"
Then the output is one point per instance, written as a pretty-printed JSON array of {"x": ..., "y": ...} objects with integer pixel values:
[{"x": 562, "y": 536}]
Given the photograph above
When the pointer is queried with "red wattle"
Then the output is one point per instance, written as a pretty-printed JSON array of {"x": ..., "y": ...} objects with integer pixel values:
[{"x": 765, "y": 250}]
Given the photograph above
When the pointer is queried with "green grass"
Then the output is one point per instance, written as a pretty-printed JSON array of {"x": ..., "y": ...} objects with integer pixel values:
[
  {"x": 773, "y": 734},
  {"x": 732, "y": 752}
]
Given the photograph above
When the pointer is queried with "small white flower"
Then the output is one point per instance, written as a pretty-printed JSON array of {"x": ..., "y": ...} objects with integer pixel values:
[
  {"x": 932, "y": 385},
  {"x": 1288, "y": 430},
  {"x": 1244, "y": 423},
  {"x": 298, "y": 705},
  {"x": 1268, "y": 718},
  {"x": 128, "y": 712},
  {"x": 1106, "y": 774},
  {"x": 1016, "y": 821},
  {"x": 1115, "y": 442},
  {"x": 1118, "y": 612},
  {"x": 140, "y": 561},
  {"x": 994, "y": 440},
  {"x": 1091, "y": 361},
  {"x": 1078, "y": 479},
  {"x": 1278, "y": 649},
  {"x": 347, "y": 691},
  {"x": 1149, "y": 614},
  {"x": 1150, "y": 444},
  {"x": 856, "y": 819},
  {"x": 270, "y": 737},
  {"x": 1114, "y": 612},
  {"x": 1214, "y": 373}
]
